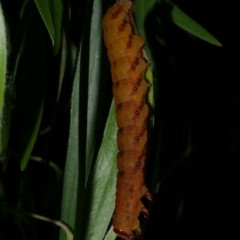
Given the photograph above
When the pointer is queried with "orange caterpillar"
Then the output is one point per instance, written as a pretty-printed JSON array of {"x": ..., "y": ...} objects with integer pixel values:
[{"x": 128, "y": 67}]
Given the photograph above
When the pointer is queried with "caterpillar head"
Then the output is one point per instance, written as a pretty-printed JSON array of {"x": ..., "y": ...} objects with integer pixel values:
[
  {"x": 122, "y": 234},
  {"x": 125, "y": 226},
  {"x": 127, "y": 235}
]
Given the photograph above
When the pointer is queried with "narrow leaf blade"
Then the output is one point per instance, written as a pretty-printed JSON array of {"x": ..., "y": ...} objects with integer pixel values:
[
  {"x": 4, "y": 107},
  {"x": 70, "y": 186},
  {"x": 182, "y": 20},
  {"x": 45, "y": 12},
  {"x": 3, "y": 58},
  {"x": 33, "y": 86}
]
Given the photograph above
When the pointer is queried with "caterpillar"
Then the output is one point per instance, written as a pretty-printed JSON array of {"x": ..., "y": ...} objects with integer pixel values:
[{"x": 128, "y": 67}]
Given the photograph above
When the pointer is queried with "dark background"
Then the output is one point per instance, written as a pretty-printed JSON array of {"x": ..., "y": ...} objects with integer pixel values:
[
  {"x": 197, "y": 109},
  {"x": 199, "y": 90}
]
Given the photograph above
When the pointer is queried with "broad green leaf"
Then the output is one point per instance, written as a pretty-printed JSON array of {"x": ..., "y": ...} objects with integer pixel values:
[
  {"x": 96, "y": 80},
  {"x": 87, "y": 118},
  {"x": 92, "y": 88},
  {"x": 111, "y": 235},
  {"x": 102, "y": 189},
  {"x": 182, "y": 20},
  {"x": 92, "y": 81},
  {"x": 4, "y": 106}
]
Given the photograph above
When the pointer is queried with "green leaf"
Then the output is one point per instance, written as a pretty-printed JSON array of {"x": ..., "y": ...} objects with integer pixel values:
[
  {"x": 143, "y": 9},
  {"x": 62, "y": 65},
  {"x": 56, "y": 10},
  {"x": 3, "y": 59},
  {"x": 32, "y": 82},
  {"x": 72, "y": 166},
  {"x": 45, "y": 12},
  {"x": 182, "y": 20},
  {"x": 5, "y": 122},
  {"x": 149, "y": 78},
  {"x": 111, "y": 235},
  {"x": 4, "y": 107},
  {"x": 92, "y": 62},
  {"x": 87, "y": 110},
  {"x": 102, "y": 189},
  {"x": 92, "y": 83},
  {"x": 51, "y": 13},
  {"x": 92, "y": 89}
]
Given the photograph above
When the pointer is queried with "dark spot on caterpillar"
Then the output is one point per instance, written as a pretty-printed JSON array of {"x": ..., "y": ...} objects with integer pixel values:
[
  {"x": 119, "y": 106},
  {"x": 129, "y": 44},
  {"x": 130, "y": 189},
  {"x": 115, "y": 63},
  {"x": 135, "y": 88},
  {"x": 117, "y": 84},
  {"x": 139, "y": 81},
  {"x": 130, "y": 37},
  {"x": 141, "y": 106},
  {"x": 120, "y": 130},
  {"x": 137, "y": 112},
  {"x": 121, "y": 153},
  {"x": 121, "y": 27},
  {"x": 143, "y": 131},
  {"x": 121, "y": 173},
  {"x": 115, "y": 14},
  {"x": 133, "y": 66},
  {"x": 138, "y": 164},
  {"x": 137, "y": 138},
  {"x": 136, "y": 61},
  {"x": 128, "y": 218}
]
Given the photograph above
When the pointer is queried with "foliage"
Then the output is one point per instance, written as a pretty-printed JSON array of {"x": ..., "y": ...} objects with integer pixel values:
[{"x": 57, "y": 122}]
